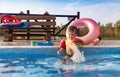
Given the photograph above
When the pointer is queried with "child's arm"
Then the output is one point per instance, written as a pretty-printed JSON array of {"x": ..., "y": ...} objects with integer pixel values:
[
  {"x": 60, "y": 51},
  {"x": 62, "y": 47}
]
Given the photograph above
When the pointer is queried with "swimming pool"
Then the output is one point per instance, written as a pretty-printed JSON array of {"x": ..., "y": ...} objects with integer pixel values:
[{"x": 44, "y": 62}]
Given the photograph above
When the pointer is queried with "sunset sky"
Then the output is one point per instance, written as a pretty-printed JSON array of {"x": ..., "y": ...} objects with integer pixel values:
[{"x": 103, "y": 11}]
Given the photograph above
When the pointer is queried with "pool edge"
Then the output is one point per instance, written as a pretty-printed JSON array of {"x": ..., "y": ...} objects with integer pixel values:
[{"x": 99, "y": 46}]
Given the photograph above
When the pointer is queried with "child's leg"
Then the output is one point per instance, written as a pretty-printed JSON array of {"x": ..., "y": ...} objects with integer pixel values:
[
  {"x": 64, "y": 59},
  {"x": 69, "y": 54}
]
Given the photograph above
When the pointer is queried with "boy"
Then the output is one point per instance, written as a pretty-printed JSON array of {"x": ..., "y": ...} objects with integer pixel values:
[{"x": 71, "y": 33}]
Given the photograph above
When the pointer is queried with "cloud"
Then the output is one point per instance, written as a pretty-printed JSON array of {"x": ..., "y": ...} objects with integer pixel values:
[
  {"x": 16, "y": 7},
  {"x": 100, "y": 12},
  {"x": 72, "y": 6}
]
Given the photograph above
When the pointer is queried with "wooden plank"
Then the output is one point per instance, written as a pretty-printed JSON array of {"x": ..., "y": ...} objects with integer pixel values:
[
  {"x": 29, "y": 35},
  {"x": 30, "y": 17},
  {"x": 23, "y": 28},
  {"x": 19, "y": 34},
  {"x": 42, "y": 31},
  {"x": 42, "y": 23},
  {"x": 38, "y": 28}
]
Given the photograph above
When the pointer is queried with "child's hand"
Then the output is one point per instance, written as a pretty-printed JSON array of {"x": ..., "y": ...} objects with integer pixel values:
[{"x": 60, "y": 51}]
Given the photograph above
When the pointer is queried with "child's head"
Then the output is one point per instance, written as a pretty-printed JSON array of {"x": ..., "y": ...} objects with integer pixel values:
[{"x": 71, "y": 32}]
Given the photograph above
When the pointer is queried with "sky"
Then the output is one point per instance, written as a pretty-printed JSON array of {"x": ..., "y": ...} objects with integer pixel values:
[{"x": 103, "y": 11}]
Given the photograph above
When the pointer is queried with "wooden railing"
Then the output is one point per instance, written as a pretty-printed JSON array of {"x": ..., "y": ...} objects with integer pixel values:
[{"x": 42, "y": 25}]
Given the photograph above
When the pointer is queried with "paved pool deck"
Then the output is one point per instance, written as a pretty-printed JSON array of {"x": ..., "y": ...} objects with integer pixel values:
[{"x": 27, "y": 43}]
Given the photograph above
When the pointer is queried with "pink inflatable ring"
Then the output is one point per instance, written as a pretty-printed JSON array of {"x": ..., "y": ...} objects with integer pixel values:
[{"x": 93, "y": 27}]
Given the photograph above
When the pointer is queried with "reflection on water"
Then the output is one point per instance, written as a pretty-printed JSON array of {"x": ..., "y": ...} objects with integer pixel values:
[
  {"x": 97, "y": 64},
  {"x": 51, "y": 66}
]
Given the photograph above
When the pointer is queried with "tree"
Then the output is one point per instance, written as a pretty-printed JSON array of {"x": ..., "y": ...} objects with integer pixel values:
[
  {"x": 117, "y": 28},
  {"x": 102, "y": 31},
  {"x": 109, "y": 30}
]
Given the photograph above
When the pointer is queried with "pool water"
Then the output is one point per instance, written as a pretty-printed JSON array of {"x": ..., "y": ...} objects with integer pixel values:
[{"x": 44, "y": 62}]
